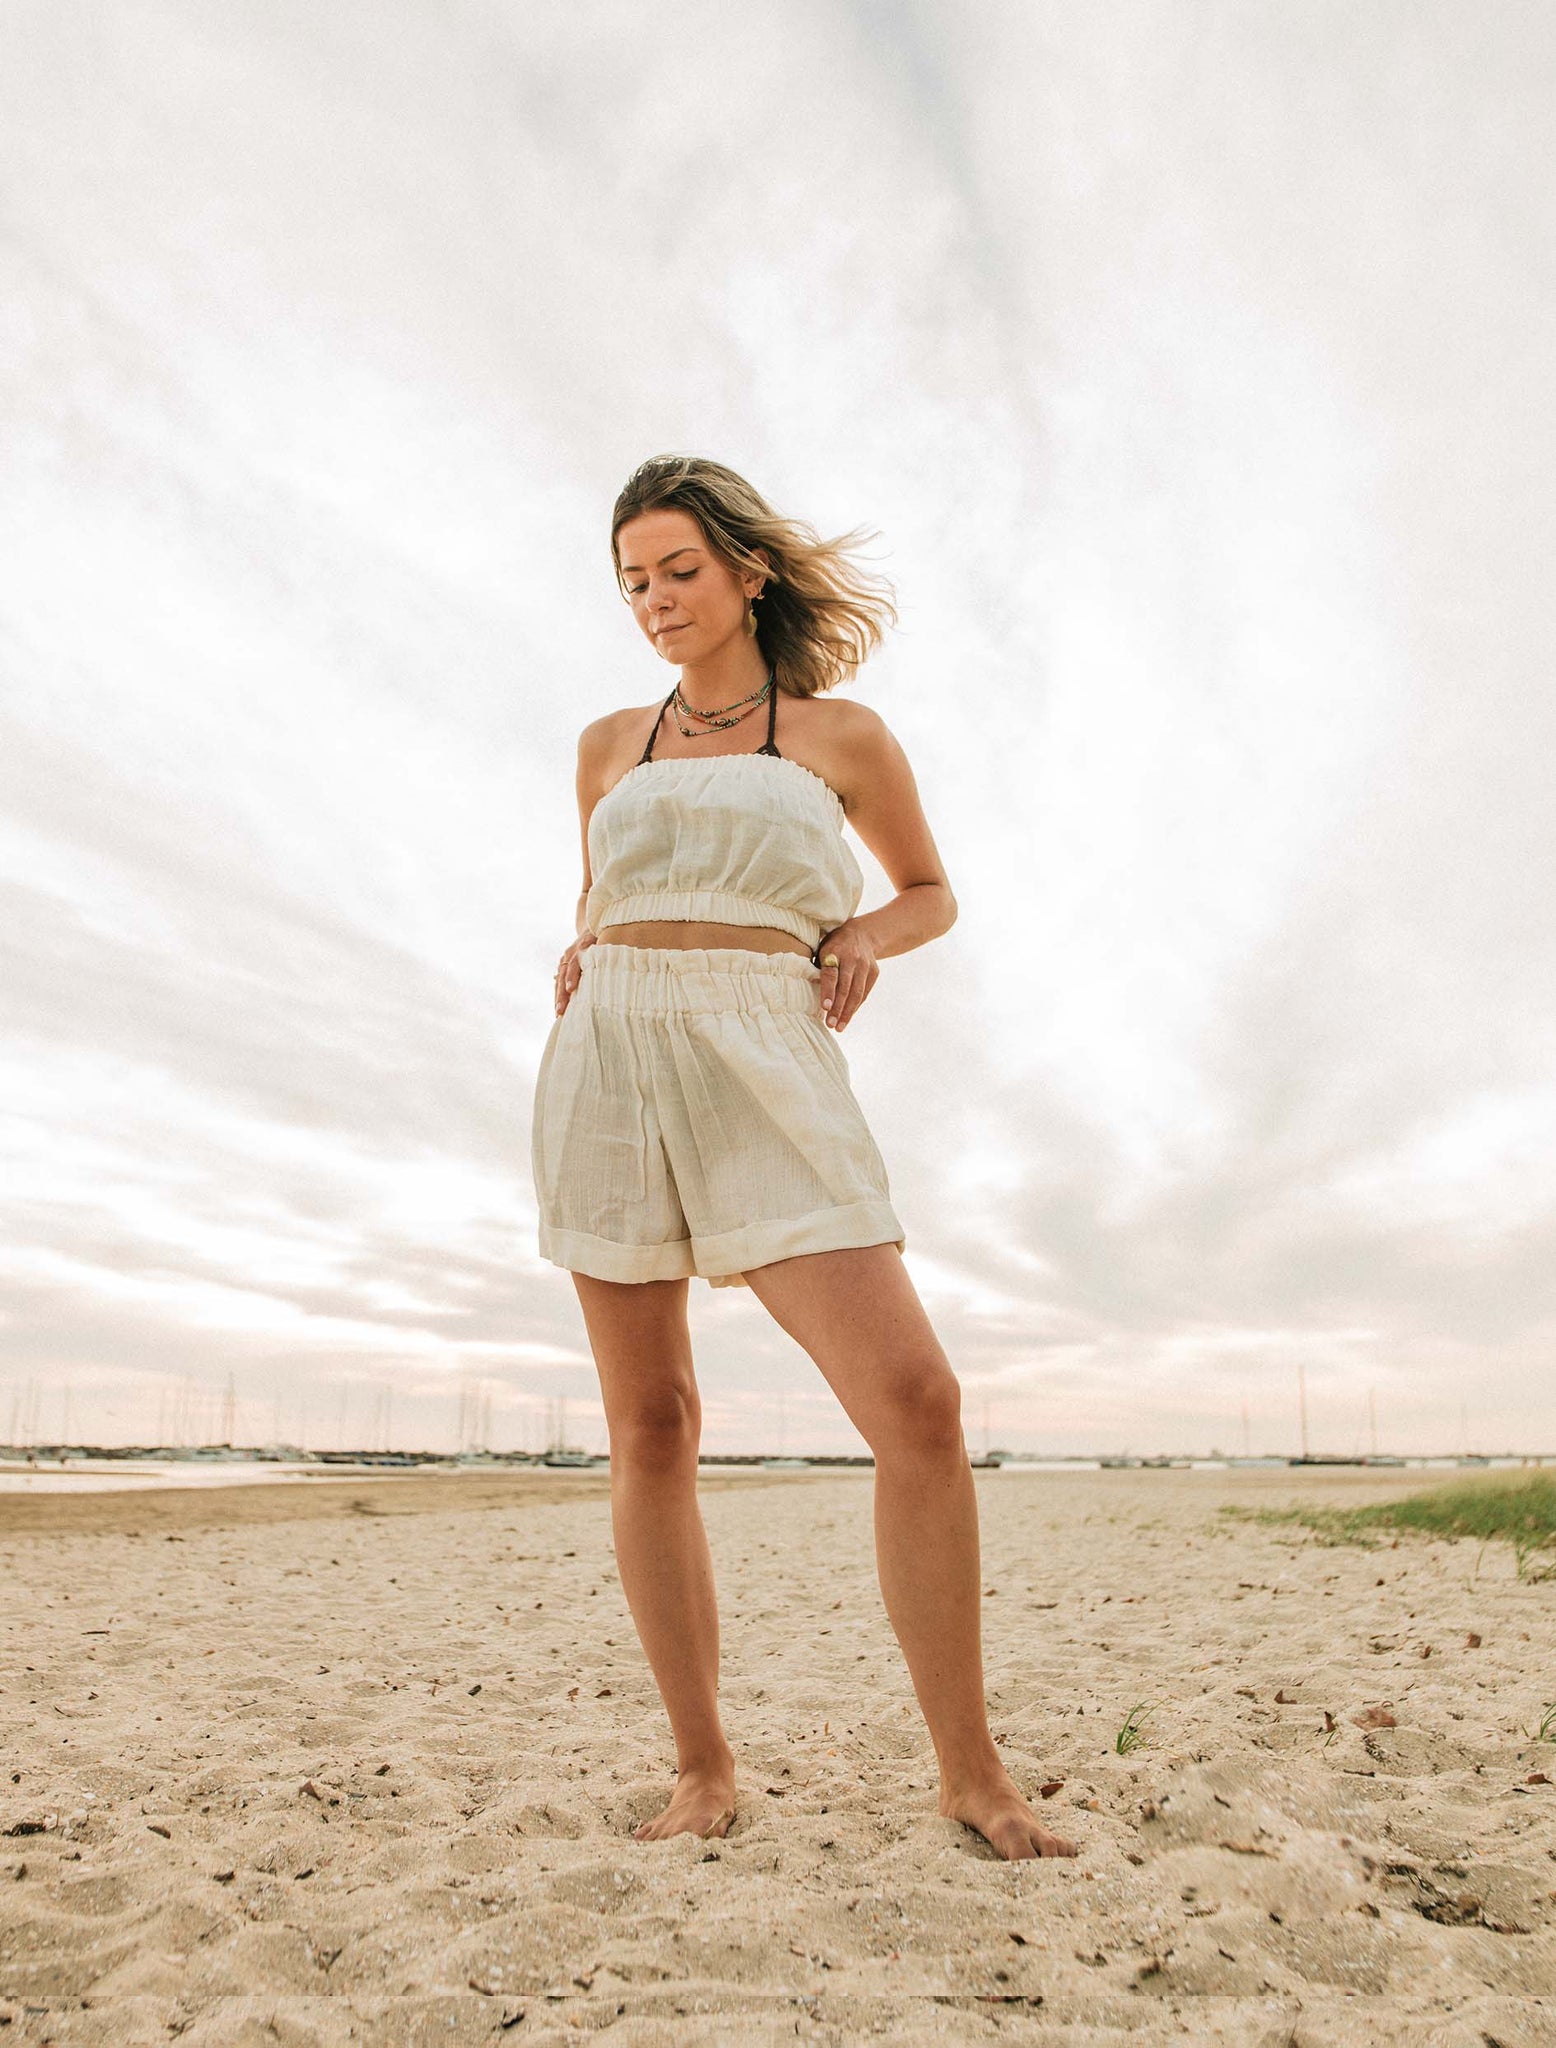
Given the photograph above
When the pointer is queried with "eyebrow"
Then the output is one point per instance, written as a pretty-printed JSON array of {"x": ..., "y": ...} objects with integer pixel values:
[{"x": 633, "y": 569}]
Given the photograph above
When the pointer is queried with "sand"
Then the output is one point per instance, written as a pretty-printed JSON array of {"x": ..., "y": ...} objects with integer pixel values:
[{"x": 367, "y": 1773}]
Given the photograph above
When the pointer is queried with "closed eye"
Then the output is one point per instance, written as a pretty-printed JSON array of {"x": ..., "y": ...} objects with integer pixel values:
[{"x": 676, "y": 576}]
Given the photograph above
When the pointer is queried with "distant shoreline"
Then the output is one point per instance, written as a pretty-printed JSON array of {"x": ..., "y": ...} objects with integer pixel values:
[
  {"x": 175, "y": 1496},
  {"x": 46, "y": 1471}
]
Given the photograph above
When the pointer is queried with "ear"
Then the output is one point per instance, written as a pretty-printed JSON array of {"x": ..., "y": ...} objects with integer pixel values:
[{"x": 765, "y": 559}]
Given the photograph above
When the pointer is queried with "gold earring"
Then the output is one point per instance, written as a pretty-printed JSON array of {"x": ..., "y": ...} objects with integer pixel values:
[{"x": 751, "y": 614}]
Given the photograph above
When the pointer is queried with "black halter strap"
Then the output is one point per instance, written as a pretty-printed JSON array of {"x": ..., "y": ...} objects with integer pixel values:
[
  {"x": 772, "y": 714},
  {"x": 647, "y": 752},
  {"x": 772, "y": 718}
]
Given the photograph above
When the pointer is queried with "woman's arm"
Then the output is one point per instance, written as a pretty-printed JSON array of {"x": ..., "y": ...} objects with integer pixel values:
[
  {"x": 881, "y": 802},
  {"x": 586, "y": 785},
  {"x": 591, "y": 743}
]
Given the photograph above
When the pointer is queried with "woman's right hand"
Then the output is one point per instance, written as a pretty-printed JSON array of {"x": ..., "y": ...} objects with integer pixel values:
[{"x": 569, "y": 973}]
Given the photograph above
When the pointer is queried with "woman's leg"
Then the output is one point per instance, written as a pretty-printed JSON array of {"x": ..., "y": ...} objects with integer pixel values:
[
  {"x": 859, "y": 1316},
  {"x": 642, "y": 1351}
]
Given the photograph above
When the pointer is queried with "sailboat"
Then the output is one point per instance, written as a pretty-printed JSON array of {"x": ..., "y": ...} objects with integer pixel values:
[
  {"x": 563, "y": 1453},
  {"x": 782, "y": 1463}
]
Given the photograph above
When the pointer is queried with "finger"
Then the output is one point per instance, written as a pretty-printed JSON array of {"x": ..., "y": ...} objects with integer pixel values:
[
  {"x": 861, "y": 981},
  {"x": 829, "y": 980},
  {"x": 843, "y": 1005}
]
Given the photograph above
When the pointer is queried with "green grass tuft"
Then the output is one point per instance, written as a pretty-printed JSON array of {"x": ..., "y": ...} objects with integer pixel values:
[
  {"x": 1521, "y": 1510},
  {"x": 1131, "y": 1735}
]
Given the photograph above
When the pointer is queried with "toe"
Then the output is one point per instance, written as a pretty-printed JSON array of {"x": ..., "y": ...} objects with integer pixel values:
[{"x": 1010, "y": 1837}]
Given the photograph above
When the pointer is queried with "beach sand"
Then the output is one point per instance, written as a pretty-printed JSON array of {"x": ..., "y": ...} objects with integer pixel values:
[{"x": 366, "y": 1771}]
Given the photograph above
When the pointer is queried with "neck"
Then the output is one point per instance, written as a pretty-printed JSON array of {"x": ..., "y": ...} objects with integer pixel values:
[{"x": 727, "y": 675}]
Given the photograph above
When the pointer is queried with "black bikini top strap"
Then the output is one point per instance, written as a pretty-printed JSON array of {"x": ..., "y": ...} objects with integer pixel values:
[
  {"x": 648, "y": 751},
  {"x": 772, "y": 715}
]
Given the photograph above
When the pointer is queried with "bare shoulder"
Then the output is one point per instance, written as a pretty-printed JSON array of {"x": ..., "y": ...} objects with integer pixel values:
[
  {"x": 862, "y": 728},
  {"x": 850, "y": 745},
  {"x": 608, "y": 745},
  {"x": 601, "y": 734}
]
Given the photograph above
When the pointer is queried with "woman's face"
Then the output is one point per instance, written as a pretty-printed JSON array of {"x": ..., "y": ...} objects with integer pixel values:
[{"x": 684, "y": 598}]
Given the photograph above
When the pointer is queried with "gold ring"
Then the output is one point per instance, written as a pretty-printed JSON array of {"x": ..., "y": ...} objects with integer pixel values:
[{"x": 829, "y": 959}]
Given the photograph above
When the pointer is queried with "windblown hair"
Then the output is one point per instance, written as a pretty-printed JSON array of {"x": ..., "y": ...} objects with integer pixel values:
[{"x": 820, "y": 616}]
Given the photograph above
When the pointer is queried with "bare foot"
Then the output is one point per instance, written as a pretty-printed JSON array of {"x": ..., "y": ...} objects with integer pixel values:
[
  {"x": 999, "y": 1813},
  {"x": 703, "y": 1803}
]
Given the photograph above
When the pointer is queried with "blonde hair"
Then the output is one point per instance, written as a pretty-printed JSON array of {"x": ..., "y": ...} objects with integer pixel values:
[{"x": 820, "y": 616}]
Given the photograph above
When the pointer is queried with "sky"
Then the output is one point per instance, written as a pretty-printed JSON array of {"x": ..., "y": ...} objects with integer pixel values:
[{"x": 1189, "y": 367}]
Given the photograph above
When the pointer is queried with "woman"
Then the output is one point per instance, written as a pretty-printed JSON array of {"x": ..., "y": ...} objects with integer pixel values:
[{"x": 694, "y": 1117}]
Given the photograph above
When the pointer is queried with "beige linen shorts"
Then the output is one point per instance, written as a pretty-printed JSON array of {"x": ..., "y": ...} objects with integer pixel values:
[{"x": 693, "y": 1116}]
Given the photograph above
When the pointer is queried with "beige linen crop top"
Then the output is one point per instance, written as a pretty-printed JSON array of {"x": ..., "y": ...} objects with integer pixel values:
[{"x": 753, "y": 839}]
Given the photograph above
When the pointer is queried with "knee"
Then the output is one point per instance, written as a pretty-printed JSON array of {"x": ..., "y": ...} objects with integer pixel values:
[
  {"x": 657, "y": 1429},
  {"x": 922, "y": 1409}
]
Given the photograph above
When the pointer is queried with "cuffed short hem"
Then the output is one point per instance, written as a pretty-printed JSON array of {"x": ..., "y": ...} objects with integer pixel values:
[
  {"x": 723, "y": 1261},
  {"x": 603, "y": 1259}
]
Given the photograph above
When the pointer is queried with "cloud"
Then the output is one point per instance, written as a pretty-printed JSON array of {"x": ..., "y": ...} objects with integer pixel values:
[{"x": 1192, "y": 382}]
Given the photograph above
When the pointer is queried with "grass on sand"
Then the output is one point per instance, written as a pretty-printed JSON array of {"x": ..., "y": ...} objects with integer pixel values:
[
  {"x": 1132, "y": 1734},
  {"x": 1521, "y": 1510}
]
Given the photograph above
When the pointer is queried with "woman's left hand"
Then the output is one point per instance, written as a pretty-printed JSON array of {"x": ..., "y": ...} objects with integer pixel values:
[{"x": 845, "y": 986}]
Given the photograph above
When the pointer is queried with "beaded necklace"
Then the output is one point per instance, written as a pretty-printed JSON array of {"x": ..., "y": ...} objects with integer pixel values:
[{"x": 717, "y": 721}]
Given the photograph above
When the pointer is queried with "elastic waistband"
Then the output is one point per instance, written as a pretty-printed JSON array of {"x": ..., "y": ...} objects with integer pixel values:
[{"x": 660, "y": 978}]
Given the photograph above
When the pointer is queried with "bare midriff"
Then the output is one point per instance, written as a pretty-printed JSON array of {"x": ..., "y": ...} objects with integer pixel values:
[{"x": 678, "y": 931}]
